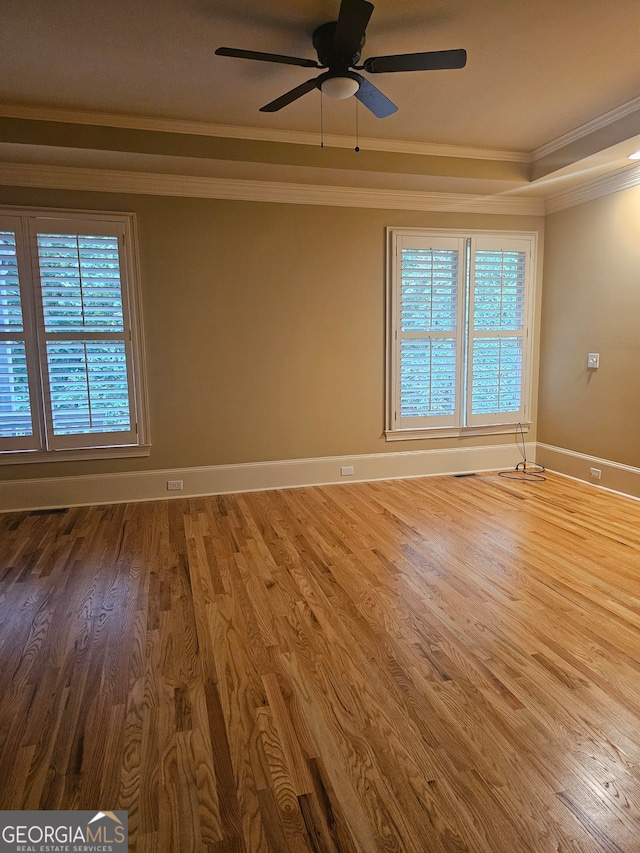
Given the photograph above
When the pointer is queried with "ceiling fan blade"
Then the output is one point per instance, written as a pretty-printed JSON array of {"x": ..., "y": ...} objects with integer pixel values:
[
  {"x": 289, "y": 97},
  {"x": 267, "y": 57},
  {"x": 374, "y": 100},
  {"x": 433, "y": 60},
  {"x": 352, "y": 22}
]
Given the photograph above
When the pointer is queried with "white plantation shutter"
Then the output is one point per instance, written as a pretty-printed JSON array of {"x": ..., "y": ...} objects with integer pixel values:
[
  {"x": 497, "y": 308},
  {"x": 429, "y": 315},
  {"x": 84, "y": 337},
  {"x": 79, "y": 349},
  {"x": 17, "y": 427},
  {"x": 457, "y": 330}
]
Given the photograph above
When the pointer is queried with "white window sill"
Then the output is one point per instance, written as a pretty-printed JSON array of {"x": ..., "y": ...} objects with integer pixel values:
[
  {"x": 21, "y": 457},
  {"x": 454, "y": 432}
]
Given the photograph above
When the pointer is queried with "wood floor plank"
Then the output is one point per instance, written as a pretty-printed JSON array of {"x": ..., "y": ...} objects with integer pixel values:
[{"x": 439, "y": 664}]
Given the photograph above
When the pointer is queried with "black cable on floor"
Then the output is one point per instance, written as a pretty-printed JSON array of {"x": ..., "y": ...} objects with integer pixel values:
[{"x": 525, "y": 470}]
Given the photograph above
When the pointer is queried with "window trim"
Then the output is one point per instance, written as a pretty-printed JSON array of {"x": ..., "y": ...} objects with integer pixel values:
[
  {"x": 132, "y": 295},
  {"x": 392, "y": 367}
]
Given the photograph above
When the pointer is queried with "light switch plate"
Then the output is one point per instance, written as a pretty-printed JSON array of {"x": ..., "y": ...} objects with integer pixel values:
[{"x": 593, "y": 360}]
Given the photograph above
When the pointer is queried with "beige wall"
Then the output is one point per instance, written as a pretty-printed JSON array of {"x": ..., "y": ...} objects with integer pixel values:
[
  {"x": 264, "y": 327},
  {"x": 591, "y": 303}
]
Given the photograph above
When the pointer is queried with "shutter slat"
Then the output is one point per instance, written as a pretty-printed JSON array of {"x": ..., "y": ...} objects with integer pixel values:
[
  {"x": 10, "y": 306},
  {"x": 89, "y": 389},
  {"x": 428, "y": 377},
  {"x": 499, "y": 290},
  {"x": 80, "y": 281},
  {"x": 429, "y": 290},
  {"x": 15, "y": 407},
  {"x": 497, "y": 375}
]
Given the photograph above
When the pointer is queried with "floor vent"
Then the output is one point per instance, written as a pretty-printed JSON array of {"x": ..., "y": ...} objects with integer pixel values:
[{"x": 57, "y": 511}]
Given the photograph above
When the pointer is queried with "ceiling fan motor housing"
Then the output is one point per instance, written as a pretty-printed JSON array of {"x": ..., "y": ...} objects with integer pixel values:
[{"x": 323, "y": 42}]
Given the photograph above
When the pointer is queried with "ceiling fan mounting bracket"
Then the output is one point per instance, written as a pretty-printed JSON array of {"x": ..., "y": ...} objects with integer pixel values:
[{"x": 323, "y": 42}]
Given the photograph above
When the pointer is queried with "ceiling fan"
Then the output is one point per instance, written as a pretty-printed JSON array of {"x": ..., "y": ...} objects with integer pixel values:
[{"x": 338, "y": 45}]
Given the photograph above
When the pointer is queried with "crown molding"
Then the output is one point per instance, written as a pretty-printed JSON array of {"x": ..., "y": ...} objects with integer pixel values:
[
  {"x": 131, "y": 183},
  {"x": 624, "y": 179},
  {"x": 200, "y": 128},
  {"x": 127, "y": 182},
  {"x": 587, "y": 129},
  {"x": 256, "y": 134}
]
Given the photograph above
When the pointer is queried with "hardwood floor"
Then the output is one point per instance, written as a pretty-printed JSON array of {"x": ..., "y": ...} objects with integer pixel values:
[{"x": 443, "y": 664}]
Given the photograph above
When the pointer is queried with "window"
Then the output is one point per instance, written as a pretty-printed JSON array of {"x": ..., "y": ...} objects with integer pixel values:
[
  {"x": 458, "y": 331},
  {"x": 71, "y": 381}
]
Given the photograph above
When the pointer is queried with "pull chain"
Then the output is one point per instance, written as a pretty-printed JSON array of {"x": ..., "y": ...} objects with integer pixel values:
[{"x": 357, "y": 120}]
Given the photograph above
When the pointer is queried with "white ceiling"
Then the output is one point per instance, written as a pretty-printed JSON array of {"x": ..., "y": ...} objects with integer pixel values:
[{"x": 536, "y": 69}]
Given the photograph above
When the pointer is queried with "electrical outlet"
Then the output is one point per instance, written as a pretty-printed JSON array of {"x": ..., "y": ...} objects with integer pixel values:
[
  {"x": 347, "y": 471},
  {"x": 596, "y": 473},
  {"x": 174, "y": 485}
]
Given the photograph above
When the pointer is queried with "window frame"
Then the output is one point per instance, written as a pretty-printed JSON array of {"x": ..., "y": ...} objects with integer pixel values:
[
  {"x": 396, "y": 429},
  {"x": 43, "y": 445}
]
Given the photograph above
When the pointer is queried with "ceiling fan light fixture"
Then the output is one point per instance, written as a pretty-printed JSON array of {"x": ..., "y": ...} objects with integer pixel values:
[{"x": 339, "y": 88}]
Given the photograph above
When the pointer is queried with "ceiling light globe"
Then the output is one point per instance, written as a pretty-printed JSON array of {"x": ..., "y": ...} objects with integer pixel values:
[{"x": 340, "y": 88}]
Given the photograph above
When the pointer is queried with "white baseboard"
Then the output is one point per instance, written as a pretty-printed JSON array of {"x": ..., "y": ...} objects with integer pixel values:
[
  {"x": 51, "y": 493},
  {"x": 614, "y": 477}
]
